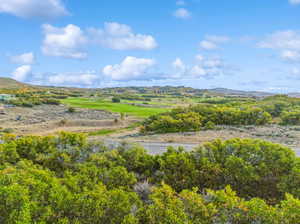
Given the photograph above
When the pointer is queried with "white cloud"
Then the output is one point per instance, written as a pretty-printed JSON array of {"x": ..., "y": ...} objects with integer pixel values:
[
  {"x": 204, "y": 68},
  {"x": 22, "y": 73},
  {"x": 211, "y": 42},
  {"x": 289, "y": 39},
  {"x": 182, "y": 13},
  {"x": 286, "y": 43},
  {"x": 33, "y": 8},
  {"x": 208, "y": 45},
  {"x": 121, "y": 37},
  {"x": 64, "y": 42},
  {"x": 295, "y": 71},
  {"x": 213, "y": 63},
  {"x": 26, "y": 58},
  {"x": 131, "y": 68},
  {"x": 294, "y": 2},
  {"x": 178, "y": 64},
  {"x": 198, "y": 71},
  {"x": 217, "y": 39},
  {"x": 180, "y": 2},
  {"x": 199, "y": 57},
  {"x": 71, "y": 79},
  {"x": 179, "y": 68},
  {"x": 290, "y": 55}
]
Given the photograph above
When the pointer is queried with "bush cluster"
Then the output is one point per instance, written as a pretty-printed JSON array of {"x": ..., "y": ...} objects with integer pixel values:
[
  {"x": 290, "y": 118},
  {"x": 33, "y": 101},
  {"x": 202, "y": 116},
  {"x": 65, "y": 179}
]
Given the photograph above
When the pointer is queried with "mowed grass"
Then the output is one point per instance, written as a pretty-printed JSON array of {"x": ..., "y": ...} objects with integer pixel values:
[
  {"x": 98, "y": 104},
  {"x": 103, "y": 132}
]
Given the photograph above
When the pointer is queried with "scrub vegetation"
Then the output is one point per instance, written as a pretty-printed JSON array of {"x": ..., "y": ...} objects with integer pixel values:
[{"x": 66, "y": 179}]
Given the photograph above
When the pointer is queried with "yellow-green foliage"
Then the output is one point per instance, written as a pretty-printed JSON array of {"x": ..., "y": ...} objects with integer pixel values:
[
  {"x": 65, "y": 179},
  {"x": 204, "y": 116}
]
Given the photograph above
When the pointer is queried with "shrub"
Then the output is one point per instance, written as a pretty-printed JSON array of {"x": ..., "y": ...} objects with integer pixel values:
[
  {"x": 209, "y": 125},
  {"x": 71, "y": 110},
  {"x": 196, "y": 117},
  {"x": 66, "y": 179},
  {"x": 116, "y": 99},
  {"x": 290, "y": 118}
]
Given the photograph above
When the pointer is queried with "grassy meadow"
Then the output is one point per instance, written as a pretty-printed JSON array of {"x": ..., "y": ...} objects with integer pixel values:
[{"x": 101, "y": 104}]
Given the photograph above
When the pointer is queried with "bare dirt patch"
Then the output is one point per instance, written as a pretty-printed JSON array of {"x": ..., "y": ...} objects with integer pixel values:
[{"x": 48, "y": 119}]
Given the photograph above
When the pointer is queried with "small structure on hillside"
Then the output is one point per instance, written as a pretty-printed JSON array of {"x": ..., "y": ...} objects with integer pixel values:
[{"x": 6, "y": 97}]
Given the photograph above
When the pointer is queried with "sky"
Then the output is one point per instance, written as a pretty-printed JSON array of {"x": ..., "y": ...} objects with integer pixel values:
[{"x": 237, "y": 44}]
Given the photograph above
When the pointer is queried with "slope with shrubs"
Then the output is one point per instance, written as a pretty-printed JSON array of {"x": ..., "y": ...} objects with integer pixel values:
[{"x": 65, "y": 179}]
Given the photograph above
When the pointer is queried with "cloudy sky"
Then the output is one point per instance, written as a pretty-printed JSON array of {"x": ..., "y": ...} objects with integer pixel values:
[{"x": 239, "y": 44}]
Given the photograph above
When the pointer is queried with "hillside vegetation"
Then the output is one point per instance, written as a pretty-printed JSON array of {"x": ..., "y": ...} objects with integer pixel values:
[
  {"x": 8, "y": 83},
  {"x": 278, "y": 109},
  {"x": 65, "y": 179}
]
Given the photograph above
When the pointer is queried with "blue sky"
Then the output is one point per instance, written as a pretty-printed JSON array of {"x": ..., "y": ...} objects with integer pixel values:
[{"x": 239, "y": 44}]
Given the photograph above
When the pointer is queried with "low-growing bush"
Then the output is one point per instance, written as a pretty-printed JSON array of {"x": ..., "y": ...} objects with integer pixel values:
[
  {"x": 66, "y": 179},
  {"x": 116, "y": 99},
  {"x": 290, "y": 118},
  {"x": 71, "y": 110},
  {"x": 194, "y": 118}
]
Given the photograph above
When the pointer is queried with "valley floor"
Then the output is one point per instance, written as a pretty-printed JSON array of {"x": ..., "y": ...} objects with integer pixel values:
[
  {"x": 102, "y": 125},
  {"x": 285, "y": 135}
]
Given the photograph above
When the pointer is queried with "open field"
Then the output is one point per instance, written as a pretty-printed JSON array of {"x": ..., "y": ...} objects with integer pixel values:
[{"x": 100, "y": 104}]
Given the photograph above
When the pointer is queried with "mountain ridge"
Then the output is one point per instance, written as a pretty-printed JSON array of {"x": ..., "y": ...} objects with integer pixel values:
[{"x": 9, "y": 83}]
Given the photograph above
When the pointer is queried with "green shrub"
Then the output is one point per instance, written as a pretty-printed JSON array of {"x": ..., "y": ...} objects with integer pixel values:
[
  {"x": 71, "y": 110},
  {"x": 67, "y": 179},
  {"x": 290, "y": 118},
  {"x": 116, "y": 99},
  {"x": 194, "y": 118}
]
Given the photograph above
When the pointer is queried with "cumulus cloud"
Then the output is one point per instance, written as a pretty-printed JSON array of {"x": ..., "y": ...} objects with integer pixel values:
[
  {"x": 64, "y": 42},
  {"x": 33, "y": 8},
  {"x": 286, "y": 43},
  {"x": 179, "y": 68},
  {"x": 21, "y": 73},
  {"x": 211, "y": 42},
  {"x": 199, "y": 57},
  {"x": 178, "y": 64},
  {"x": 290, "y": 55},
  {"x": 208, "y": 45},
  {"x": 131, "y": 68},
  {"x": 26, "y": 58},
  {"x": 295, "y": 71},
  {"x": 295, "y": 2},
  {"x": 204, "y": 68},
  {"x": 73, "y": 79},
  {"x": 198, "y": 71},
  {"x": 182, "y": 13},
  {"x": 121, "y": 37}
]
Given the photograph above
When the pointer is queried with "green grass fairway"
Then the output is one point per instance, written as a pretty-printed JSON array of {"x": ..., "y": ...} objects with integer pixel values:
[{"x": 113, "y": 107}]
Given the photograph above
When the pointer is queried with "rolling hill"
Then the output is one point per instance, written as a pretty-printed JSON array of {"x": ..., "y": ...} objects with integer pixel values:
[{"x": 8, "y": 83}]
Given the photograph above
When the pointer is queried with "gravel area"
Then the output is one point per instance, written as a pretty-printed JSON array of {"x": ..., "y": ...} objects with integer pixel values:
[{"x": 45, "y": 113}]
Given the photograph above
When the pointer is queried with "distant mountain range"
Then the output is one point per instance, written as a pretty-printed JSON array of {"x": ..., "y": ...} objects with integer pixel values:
[
  {"x": 8, "y": 83},
  {"x": 240, "y": 92}
]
